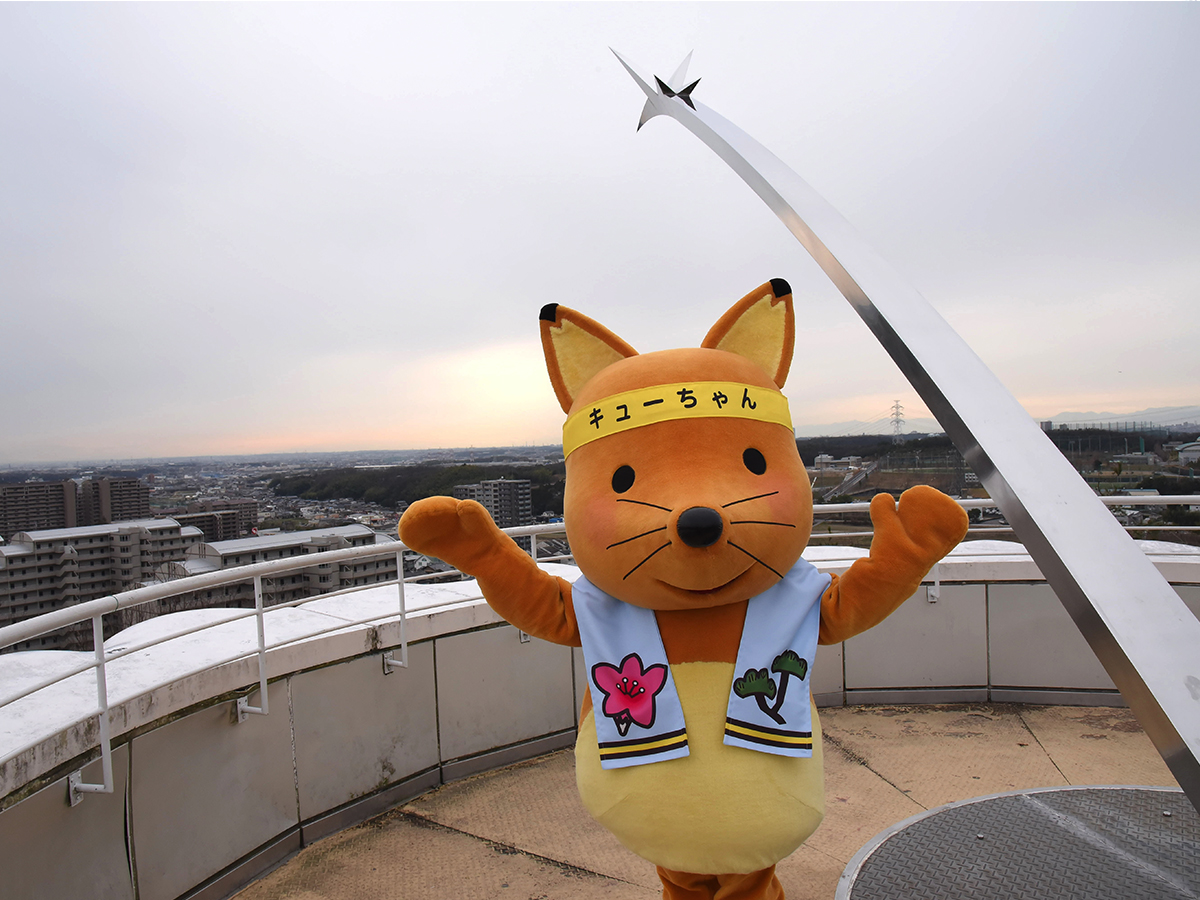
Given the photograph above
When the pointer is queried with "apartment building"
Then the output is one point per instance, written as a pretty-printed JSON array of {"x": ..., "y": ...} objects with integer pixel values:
[
  {"x": 45, "y": 570},
  {"x": 243, "y": 521},
  {"x": 37, "y": 505},
  {"x": 319, "y": 578},
  {"x": 508, "y": 500},
  {"x": 217, "y": 524},
  {"x": 40, "y": 505},
  {"x": 220, "y": 520},
  {"x": 106, "y": 500}
]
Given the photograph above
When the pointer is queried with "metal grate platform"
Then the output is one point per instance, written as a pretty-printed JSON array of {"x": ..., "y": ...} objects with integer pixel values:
[{"x": 1100, "y": 843}]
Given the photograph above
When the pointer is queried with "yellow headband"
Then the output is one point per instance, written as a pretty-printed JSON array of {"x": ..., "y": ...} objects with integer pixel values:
[{"x": 663, "y": 402}]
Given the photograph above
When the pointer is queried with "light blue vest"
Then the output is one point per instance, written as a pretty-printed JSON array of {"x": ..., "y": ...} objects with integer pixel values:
[{"x": 639, "y": 718}]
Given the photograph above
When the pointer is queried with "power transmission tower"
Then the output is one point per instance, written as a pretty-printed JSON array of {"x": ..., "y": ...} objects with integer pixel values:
[{"x": 897, "y": 422}]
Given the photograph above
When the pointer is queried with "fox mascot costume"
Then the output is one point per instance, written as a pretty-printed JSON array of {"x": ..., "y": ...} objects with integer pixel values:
[{"x": 687, "y": 507}]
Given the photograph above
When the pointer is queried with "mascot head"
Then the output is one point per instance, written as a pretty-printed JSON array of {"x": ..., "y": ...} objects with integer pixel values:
[{"x": 684, "y": 486}]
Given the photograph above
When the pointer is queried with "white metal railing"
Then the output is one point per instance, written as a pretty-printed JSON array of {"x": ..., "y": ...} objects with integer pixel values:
[
  {"x": 1137, "y": 500},
  {"x": 95, "y": 610}
]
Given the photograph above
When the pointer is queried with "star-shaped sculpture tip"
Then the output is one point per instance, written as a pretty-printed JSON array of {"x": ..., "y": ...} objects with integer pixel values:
[
  {"x": 684, "y": 94},
  {"x": 654, "y": 99}
]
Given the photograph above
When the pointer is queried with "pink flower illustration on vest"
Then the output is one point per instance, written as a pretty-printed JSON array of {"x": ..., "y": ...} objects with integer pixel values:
[{"x": 629, "y": 691}]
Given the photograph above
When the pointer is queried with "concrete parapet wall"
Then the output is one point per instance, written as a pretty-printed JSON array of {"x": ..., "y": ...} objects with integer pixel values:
[{"x": 202, "y": 803}]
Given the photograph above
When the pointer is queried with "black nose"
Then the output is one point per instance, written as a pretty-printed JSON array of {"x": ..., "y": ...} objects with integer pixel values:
[{"x": 700, "y": 526}]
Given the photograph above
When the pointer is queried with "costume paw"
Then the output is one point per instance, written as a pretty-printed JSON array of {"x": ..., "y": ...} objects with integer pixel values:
[
  {"x": 455, "y": 531},
  {"x": 926, "y": 523}
]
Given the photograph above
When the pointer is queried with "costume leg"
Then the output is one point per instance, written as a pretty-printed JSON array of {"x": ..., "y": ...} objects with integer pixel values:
[
  {"x": 760, "y": 885},
  {"x": 686, "y": 886}
]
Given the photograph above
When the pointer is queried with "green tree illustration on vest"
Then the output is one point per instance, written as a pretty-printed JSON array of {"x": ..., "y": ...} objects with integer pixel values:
[{"x": 757, "y": 683}]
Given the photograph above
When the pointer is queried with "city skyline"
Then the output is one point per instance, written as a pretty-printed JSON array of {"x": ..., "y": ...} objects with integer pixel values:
[{"x": 272, "y": 229}]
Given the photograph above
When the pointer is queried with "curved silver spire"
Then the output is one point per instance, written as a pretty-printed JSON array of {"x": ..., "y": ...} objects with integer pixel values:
[{"x": 1136, "y": 624}]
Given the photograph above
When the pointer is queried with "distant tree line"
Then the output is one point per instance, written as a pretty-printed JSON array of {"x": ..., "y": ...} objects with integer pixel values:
[
  {"x": 1175, "y": 484},
  {"x": 15, "y": 476},
  {"x": 869, "y": 446},
  {"x": 1171, "y": 484},
  {"x": 1107, "y": 442},
  {"x": 407, "y": 484},
  {"x": 1099, "y": 442}
]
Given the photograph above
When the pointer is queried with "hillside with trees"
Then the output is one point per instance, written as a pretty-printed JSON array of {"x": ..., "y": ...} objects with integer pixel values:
[{"x": 393, "y": 487}]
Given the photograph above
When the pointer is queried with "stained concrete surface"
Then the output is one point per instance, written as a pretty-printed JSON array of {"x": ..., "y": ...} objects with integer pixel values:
[{"x": 521, "y": 832}]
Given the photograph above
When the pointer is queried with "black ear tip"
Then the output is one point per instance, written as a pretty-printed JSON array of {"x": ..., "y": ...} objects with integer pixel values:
[
  {"x": 549, "y": 312},
  {"x": 780, "y": 287}
]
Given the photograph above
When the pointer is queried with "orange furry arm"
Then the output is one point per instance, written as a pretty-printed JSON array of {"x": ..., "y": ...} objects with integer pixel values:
[
  {"x": 462, "y": 533},
  {"x": 909, "y": 539}
]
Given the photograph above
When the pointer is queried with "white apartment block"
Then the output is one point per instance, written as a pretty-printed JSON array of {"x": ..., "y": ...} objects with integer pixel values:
[
  {"x": 41, "y": 571},
  {"x": 319, "y": 578}
]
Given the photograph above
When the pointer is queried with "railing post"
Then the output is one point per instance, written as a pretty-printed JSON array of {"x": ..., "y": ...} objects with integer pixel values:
[
  {"x": 243, "y": 706},
  {"x": 933, "y": 593},
  {"x": 389, "y": 660},
  {"x": 76, "y": 786}
]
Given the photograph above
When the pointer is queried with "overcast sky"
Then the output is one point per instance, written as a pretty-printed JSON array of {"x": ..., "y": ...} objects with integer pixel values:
[{"x": 232, "y": 228}]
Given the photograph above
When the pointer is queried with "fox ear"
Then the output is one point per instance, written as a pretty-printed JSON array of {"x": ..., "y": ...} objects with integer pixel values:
[
  {"x": 576, "y": 348},
  {"x": 761, "y": 327}
]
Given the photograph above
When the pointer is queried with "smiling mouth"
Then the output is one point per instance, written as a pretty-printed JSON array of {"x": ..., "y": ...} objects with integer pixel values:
[{"x": 706, "y": 591}]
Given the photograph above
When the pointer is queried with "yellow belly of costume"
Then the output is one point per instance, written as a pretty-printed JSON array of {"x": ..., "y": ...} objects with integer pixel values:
[{"x": 718, "y": 810}]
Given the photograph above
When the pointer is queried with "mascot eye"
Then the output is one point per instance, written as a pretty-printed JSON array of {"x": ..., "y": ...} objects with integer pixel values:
[
  {"x": 754, "y": 461},
  {"x": 622, "y": 479}
]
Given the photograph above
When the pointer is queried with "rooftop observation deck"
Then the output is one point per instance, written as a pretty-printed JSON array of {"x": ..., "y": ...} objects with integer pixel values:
[
  {"x": 359, "y": 739},
  {"x": 521, "y": 832}
]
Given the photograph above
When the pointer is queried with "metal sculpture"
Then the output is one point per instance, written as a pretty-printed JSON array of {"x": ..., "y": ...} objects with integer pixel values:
[{"x": 1137, "y": 626}]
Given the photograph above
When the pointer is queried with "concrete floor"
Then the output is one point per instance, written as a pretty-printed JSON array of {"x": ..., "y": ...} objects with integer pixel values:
[{"x": 520, "y": 832}]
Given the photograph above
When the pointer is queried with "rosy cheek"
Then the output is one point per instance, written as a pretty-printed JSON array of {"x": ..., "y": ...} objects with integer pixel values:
[
  {"x": 591, "y": 523},
  {"x": 791, "y": 503}
]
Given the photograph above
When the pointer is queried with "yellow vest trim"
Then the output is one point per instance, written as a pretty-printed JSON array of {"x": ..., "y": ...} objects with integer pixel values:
[
  {"x": 771, "y": 737},
  {"x": 636, "y": 748}
]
